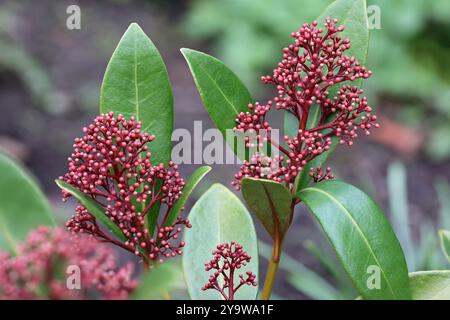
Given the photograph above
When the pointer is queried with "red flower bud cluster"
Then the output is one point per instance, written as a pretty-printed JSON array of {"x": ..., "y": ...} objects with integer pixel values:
[
  {"x": 227, "y": 259},
  {"x": 39, "y": 270},
  {"x": 111, "y": 164},
  {"x": 317, "y": 174},
  {"x": 310, "y": 66}
]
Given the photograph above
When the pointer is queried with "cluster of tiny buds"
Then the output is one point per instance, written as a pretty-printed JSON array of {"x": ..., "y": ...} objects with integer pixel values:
[
  {"x": 310, "y": 66},
  {"x": 228, "y": 257},
  {"x": 112, "y": 164},
  {"x": 39, "y": 261},
  {"x": 255, "y": 120},
  {"x": 317, "y": 174}
]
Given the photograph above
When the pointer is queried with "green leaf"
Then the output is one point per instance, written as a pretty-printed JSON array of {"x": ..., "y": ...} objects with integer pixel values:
[
  {"x": 23, "y": 206},
  {"x": 444, "y": 235},
  {"x": 290, "y": 125},
  {"x": 303, "y": 179},
  {"x": 158, "y": 281},
  {"x": 94, "y": 208},
  {"x": 361, "y": 236},
  {"x": 222, "y": 92},
  {"x": 430, "y": 285},
  {"x": 398, "y": 203},
  {"x": 442, "y": 186},
  {"x": 191, "y": 183},
  {"x": 217, "y": 217},
  {"x": 271, "y": 203},
  {"x": 353, "y": 15},
  {"x": 136, "y": 84}
]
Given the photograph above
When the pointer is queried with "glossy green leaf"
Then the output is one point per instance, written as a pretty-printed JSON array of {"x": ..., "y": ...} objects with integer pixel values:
[
  {"x": 222, "y": 92},
  {"x": 271, "y": 202},
  {"x": 23, "y": 206},
  {"x": 353, "y": 15},
  {"x": 158, "y": 282},
  {"x": 136, "y": 84},
  {"x": 361, "y": 236},
  {"x": 430, "y": 285},
  {"x": 94, "y": 208},
  {"x": 217, "y": 217},
  {"x": 191, "y": 183},
  {"x": 444, "y": 235},
  {"x": 303, "y": 179}
]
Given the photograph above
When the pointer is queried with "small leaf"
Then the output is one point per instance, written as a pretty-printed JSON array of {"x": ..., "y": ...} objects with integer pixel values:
[
  {"x": 23, "y": 206},
  {"x": 271, "y": 202},
  {"x": 352, "y": 14},
  {"x": 445, "y": 243},
  {"x": 430, "y": 285},
  {"x": 222, "y": 92},
  {"x": 158, "y": 281},
  {"x": 217, "y": 217},
  {"x": 361, "y": 236},
  {"x": 290, "y": 125},
  {"x": 191, "y": 183},
  {"x": 303, "y": 179},
  {"x": 291, "y": 129},
  {"x": 136, "y": 84},
  {"x": 94, "y": 208}
]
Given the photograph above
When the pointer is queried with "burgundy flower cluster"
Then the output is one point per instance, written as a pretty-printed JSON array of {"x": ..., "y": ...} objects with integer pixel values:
[
  {"x": 309, "y": 68},
  {"x": 111, "y": 164},
  {"x": 38, "y": 271},
  {"x": 227, "y": 259}
]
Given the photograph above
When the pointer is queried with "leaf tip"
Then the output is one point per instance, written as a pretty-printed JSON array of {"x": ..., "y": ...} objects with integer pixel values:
[{"x": 134, "y": 25}]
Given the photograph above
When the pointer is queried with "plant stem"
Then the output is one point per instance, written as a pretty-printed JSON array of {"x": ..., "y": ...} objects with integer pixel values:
[
  {"x": 275, "y": 260},
  {"x": 271, "y": 271},
  {"x": 166, "y": 295}
]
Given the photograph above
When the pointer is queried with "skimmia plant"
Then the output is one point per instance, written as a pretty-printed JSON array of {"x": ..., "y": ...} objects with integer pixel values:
[
  {"x": 131, "y": 195},
  {"x": 112, "y": 165},
  {"x": 228, "y": 259},
  {"x": 318, "y": 90},
  {"x": 314, "y": 63},
  {"x": 38, "y": 270}
]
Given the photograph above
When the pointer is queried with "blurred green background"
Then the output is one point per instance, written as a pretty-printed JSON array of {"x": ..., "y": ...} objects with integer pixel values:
[{"x": 50, "y": 78}]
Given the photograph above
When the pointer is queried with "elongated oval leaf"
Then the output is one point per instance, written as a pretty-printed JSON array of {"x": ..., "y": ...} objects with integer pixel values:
[
  {"x": 271, "y": 202},
  {"x": 191, "y": 183},
  {"x": 353, "y": 15},
  {"x": 445, "y": 243},
  {"x": 23, "y": 206},
  {"x": 136, "y": 84},
  {"x": 158, "y": 281},
  {"x": 362, "y": 238},
  {"x": 222, "y": 92},
  {"x": 217, "y": 217},
  {"x": 304, "y": 178},
  {"x": 430, "y": 285},
  {"x": 94, "y": 208}
]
